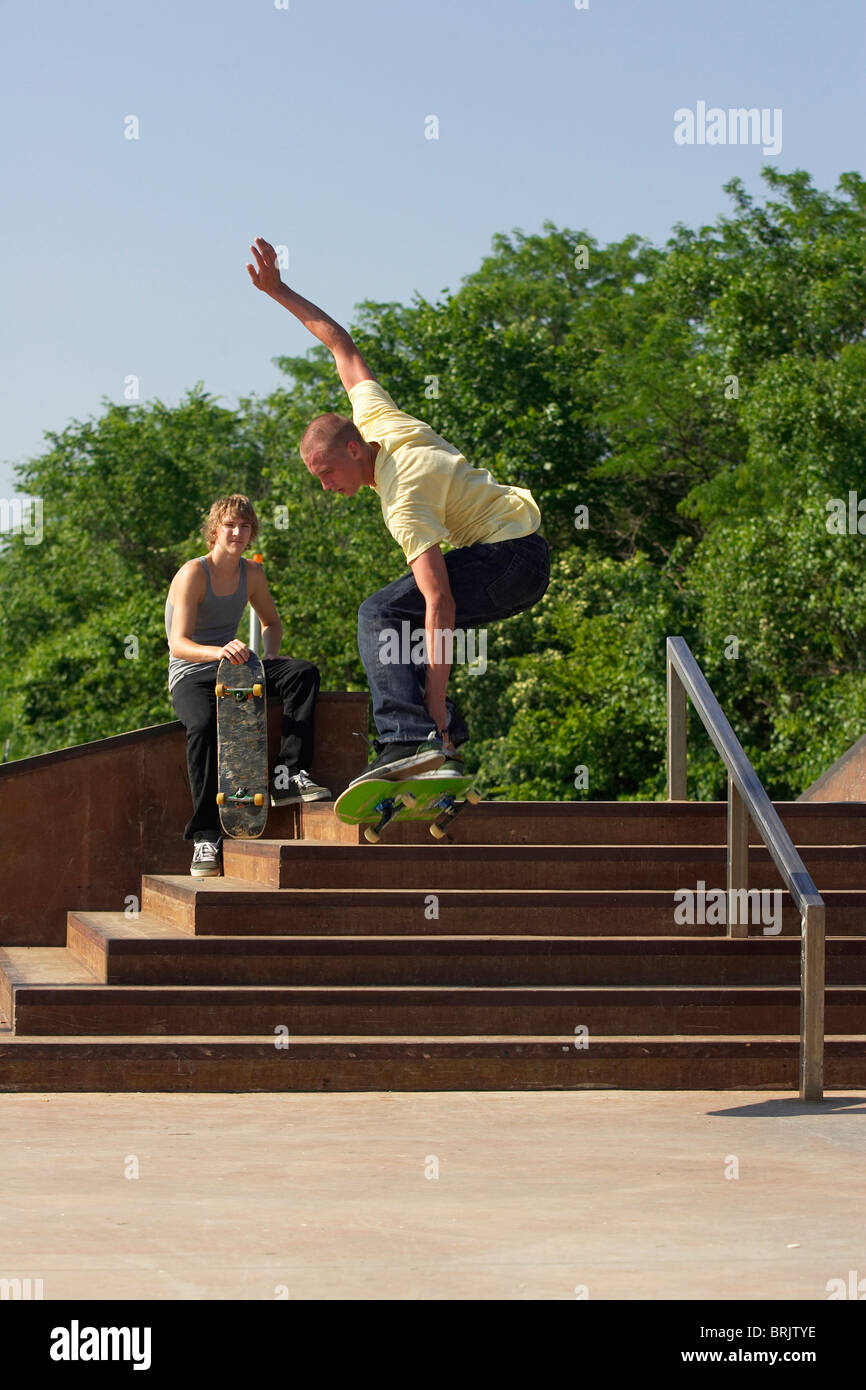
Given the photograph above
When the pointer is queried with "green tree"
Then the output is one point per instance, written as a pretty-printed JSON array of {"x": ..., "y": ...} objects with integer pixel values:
[
  {"x": 82, "y": 626},
  {"x": 703, "y": 402}
]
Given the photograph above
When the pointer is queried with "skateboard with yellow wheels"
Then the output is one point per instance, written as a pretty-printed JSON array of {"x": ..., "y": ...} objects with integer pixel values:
[
  {"x": 433, "y": 796},
  {"x": 242, "y": 748}
]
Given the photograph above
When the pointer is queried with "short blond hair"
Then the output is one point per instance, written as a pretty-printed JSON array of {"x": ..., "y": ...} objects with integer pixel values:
[
  {"x": 328, "y": 432},
  {"x": 226, "y": 507}
]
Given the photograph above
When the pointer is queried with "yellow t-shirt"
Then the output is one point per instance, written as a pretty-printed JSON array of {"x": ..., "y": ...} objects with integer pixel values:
[{"x": 429, "y": 494}]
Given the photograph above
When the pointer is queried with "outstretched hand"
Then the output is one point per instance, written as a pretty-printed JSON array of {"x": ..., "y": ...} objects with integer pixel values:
[{"x": 264, "y": 275}]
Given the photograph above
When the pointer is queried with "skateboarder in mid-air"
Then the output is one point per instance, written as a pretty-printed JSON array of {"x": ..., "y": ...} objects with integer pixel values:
[
  {"x": 430, "y": 496},
  {"x": 204, "y": 606}
]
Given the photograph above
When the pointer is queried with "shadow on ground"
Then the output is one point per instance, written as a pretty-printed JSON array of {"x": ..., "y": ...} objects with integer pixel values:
[{"x": 792, "y": 1108}]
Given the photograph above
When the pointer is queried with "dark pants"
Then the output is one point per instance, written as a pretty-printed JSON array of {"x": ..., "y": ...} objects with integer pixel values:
[
  {"x": 489, "y": 582},
  {"x": 194, "y": 701}
]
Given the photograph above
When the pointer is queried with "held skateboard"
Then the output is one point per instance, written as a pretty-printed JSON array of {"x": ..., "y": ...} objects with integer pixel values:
[
  {"x": 434, "y": 797},
  {"x": 242, "y": 748}
]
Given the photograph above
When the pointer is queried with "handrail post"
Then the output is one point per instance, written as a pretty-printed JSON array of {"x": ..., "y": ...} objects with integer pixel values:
[
  {"x": 676, "y": 733},
  {"x": 812, "y": 1003},
  {"x": 738, "y": 859},
  {"x": 748, "y": 803}
]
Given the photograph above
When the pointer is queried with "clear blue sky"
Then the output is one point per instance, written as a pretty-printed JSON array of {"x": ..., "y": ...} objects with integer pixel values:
[{"x": 307, "y": 125}]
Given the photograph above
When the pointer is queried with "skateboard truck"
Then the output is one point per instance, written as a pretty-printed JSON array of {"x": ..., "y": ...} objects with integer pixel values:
[
  {"x": 451, "y": 808},
  {"x": 240, "y": 797},
  {"x": 387, "y": 808},
  {"x": 240, "y": 692}
]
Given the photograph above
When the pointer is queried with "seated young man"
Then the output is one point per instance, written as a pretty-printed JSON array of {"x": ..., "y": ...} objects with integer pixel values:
[{"x": 204, "y": 606}]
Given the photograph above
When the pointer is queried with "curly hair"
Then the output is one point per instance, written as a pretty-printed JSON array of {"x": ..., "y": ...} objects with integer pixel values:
[{"x": 225, "y": 508}]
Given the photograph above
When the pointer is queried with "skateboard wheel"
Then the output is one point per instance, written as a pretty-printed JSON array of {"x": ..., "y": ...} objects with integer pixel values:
[
  {"x": 371, "y": 836},
  {"x": 220, "y": 690},
  {"x": 409, "y": 800},
  {"x": 437, "y": 831},
  {"x": 257, "y": 691},
  {"x": 473, "y": 797},
  {"x": 221, "y": 798},
  {"x": 259, "y": 799}
]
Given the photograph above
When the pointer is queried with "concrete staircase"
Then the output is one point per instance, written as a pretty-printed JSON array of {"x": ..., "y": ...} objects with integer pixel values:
[{"x": 535, "y": 950}]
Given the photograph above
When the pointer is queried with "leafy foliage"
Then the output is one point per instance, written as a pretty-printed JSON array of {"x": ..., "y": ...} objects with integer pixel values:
[{"x": 702, "y": 402}]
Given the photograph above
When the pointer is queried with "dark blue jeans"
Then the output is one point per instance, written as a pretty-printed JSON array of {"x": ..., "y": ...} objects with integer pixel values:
[{"x": 488, "y": 582}]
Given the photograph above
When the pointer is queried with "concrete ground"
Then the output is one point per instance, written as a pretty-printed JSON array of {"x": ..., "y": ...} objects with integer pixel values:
[{"x": 505, "y": 1195}]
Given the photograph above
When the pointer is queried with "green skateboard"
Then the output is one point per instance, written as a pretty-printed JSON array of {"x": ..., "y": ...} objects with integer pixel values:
[
  {"x": 433, "y": 796},
  {"x": 242, "y": 748}
]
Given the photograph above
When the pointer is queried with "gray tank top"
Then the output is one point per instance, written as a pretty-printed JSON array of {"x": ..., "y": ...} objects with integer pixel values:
[{"x": 216, "y": 623}]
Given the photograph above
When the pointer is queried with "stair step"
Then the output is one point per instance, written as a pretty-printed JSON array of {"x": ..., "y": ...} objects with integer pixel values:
[
  {"x": 302, "y": 864},
  {"x": 418, "y": 1063},
  {"x": 309, "y": 1009},
  {"x": 35, "y": 965},
  {"x": 233, "y": 906},
  {"x": 536, "y": 949},
  {"x": 105, "y": 941},
  {"x": 607, "y": 822},
  {"x": 117, "y": 951}
]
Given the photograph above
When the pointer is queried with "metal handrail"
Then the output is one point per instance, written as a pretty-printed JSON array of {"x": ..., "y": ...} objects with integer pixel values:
[{"x": 747, "y": 798}]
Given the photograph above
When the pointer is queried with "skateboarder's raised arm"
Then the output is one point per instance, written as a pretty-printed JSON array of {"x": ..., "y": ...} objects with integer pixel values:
[{"x": 266, "y": 277}]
